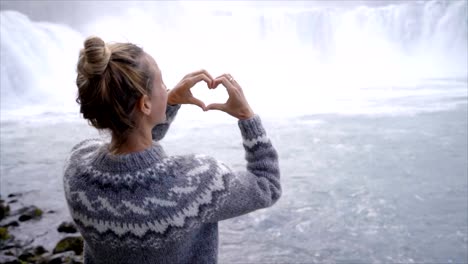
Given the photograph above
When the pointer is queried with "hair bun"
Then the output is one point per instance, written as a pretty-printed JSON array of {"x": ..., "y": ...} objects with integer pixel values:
[{"x": 96, "y": 56}]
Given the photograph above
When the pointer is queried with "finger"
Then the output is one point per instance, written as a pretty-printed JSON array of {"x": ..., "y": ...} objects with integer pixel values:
[
  {"x": 197, "y": 102},
  {"x": 227, "y": 76},
  {"x": 226, "y": 83},
  {"x": 220, "y": 107},
  {"x": 200, "y": 77},
  {"x": 202, "y": 71}
]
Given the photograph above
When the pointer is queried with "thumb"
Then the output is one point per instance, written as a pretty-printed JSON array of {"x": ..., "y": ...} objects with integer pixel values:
[{"x": 220, "y": 107}]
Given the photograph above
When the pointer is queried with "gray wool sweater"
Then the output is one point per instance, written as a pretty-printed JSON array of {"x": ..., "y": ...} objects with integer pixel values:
[{"x": 147, "y": 207}]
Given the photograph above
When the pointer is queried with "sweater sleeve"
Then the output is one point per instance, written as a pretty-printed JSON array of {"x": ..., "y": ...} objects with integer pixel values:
[
  {"x": 259, "y": 185},
  {"x": 160, "y": 130}
]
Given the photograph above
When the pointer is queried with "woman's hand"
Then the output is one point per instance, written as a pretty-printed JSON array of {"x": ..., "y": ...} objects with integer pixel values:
[
  {"x": 237, "y": 104},
  {"x": 181, "y": 93}
]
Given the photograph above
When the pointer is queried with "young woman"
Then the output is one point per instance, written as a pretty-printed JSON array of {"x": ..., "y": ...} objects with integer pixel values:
[{"x": 131, "y": 202}]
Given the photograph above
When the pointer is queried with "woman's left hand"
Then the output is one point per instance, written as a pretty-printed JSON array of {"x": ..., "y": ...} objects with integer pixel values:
[{"x": 181, "y": 93}]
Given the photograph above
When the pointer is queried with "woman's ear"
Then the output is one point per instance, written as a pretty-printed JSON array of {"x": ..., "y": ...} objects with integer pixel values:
[{"x": 144, "y": 105}]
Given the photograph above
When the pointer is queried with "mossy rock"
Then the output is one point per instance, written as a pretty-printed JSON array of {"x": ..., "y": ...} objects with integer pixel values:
[
  {"x": 30, "y": 212},
  {"x": 69, "y": 244},
  {"x": 4, "y": 233}
]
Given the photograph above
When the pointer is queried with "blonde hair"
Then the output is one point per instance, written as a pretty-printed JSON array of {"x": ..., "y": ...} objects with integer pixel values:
[{"x": 111, "y": 79}]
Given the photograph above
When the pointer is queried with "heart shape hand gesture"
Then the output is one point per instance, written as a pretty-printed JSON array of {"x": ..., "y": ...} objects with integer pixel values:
[{"x": 236, "y": 105}]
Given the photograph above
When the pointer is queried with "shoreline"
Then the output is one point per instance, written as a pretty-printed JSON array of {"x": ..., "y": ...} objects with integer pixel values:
[{"x": 17, "y": 249}]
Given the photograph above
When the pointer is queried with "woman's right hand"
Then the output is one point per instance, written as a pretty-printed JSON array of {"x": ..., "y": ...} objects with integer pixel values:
[{"x": 237, "y": 104}]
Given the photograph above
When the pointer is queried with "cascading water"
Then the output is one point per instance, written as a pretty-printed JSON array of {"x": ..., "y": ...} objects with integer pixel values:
[{"x": 329, "y": 54}]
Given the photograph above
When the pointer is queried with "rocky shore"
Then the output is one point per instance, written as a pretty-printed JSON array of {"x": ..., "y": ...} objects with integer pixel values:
[{"x": 69, "y": 249}]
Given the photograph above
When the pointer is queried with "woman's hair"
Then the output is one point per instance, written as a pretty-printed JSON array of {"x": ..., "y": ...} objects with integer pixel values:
[{"x": 111, "y": 78}]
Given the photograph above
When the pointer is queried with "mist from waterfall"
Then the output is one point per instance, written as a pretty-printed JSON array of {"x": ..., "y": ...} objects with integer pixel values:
[{"x": 290, "y": 58}]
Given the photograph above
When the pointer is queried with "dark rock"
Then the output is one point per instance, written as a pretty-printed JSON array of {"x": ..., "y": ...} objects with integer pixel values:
[
  {"x": 51, "y": 212},
  {"x": 12, "y": 223},
  {"x": 39, "y": 250},
  {"x": 32, "y": 255},
  {"x": 27, "y": 256},
  {"x": 9, "y": 260},
  {"x": 70, "y": 243},
  {"x": 67, "y": 227},
  {"x": 12, "y": 201},
  {"x": 30, "y": 212},
  {"x": 7, "y": 253},
  {"x": 14, "y": 195},
  {"x": 4, "y": 210}
]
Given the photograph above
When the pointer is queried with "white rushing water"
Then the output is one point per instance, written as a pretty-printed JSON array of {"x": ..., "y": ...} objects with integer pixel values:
[{"x": 291, "y": 58}]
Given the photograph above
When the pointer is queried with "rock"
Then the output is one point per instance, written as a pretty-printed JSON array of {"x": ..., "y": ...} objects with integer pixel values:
[
  {"x": 39, "y": 250},
  {"x": 70, "y": 243},
  {"x": 28, "y": 213},
  {"x": 7, "y": 253},
  {"x": 10, "y": 244},
  {"x": 27, "y": 256},
  {"x": 12, "y": 223},
  {"x": 12, "y": 201},
  {"x": 9, "y": 260},
  {"x": 14, "y": 195},
  {"x": 67, "y": 227},
  {"x": 65, "y": 257},
  {"x": 4, "y": 234},
  {"x": 78, "y": 260},
  {"x": 4, "y": 210}
]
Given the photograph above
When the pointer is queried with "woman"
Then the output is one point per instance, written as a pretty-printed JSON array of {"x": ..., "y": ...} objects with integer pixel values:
[{"x": 131, "y": 202}]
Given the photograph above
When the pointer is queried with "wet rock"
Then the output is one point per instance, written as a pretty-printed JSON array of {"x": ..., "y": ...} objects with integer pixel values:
[
  {"x": 4, "y": 209},
  {"x": 39, "y": 250},
  {"x": 28, "y": 213},
  {"x": 33, "y": 255},
  {"x": 65, "y": 257},
  {"x": 70, "y": 243},
  {"x": 9, "y": 259},
  {"x": 12, "y": 223},
  {"x": 27, "y": 256},
  {"x": 10, "y": 243},
  {"x": 7, "y": 253},
  {"x": 78, "y": 259},
  {"x": 67, "y": 227}
]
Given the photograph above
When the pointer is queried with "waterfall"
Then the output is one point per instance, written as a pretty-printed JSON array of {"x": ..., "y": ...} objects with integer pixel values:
[{"x": 279, "y": 51}]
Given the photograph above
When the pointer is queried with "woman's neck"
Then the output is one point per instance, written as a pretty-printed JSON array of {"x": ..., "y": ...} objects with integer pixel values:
[{"x": 136, "y": 141}]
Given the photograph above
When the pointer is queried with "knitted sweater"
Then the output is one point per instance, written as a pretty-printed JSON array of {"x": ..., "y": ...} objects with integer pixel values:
[{"x": 147, "y": 207}]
